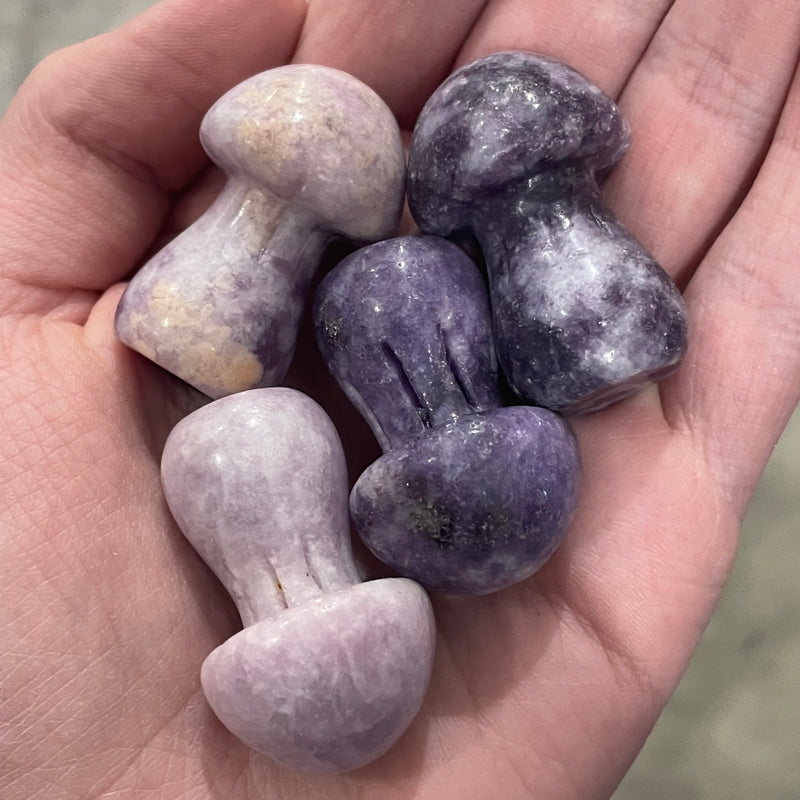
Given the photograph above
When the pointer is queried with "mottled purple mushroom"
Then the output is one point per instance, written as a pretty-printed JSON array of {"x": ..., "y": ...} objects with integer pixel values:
[
  {"x": 469, "y": 497},
  {"x": 508, "y": 148},
  {"x": 328, "y": 672},
  {"x": 310, "y": 153}
]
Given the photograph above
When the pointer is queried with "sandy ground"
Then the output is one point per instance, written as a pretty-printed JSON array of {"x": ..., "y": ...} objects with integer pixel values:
[{"x": 732, "y": 728}]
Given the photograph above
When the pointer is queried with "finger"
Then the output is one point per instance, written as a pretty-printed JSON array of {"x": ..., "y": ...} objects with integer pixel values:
[
  {"x": 403, "y": 50},
  {"x": 741, "y": 379},
  {"x": 602, "y": 40},
  {"x": 702, "y": 104},
  {"x": 103, "y": 132},
  {"x": 653, "y": 547}
]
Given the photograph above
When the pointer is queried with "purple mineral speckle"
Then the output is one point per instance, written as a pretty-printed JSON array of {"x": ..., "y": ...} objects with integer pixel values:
[
  {"x": 507, "y": 149},
  {"x": 469, "y": 497}
]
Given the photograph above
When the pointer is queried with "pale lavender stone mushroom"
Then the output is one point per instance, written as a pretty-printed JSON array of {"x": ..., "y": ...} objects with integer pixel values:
[
  {"x": 508, "y": 148},
  {"x": 310, "y": 153},
  {"x": 469, "y": 497},
  {"x": 328, "y": 672}
]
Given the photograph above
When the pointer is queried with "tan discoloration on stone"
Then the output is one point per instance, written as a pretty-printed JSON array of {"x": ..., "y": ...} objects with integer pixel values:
[
  {"x": 275, "y": 145},
  {"x": 310, "y": 152},
  {"x": 318, "y": 138},
  {"x": 229, "y": 367},
  {"x": 258, "y": 219},
  {"x": 217, "y": 361}
]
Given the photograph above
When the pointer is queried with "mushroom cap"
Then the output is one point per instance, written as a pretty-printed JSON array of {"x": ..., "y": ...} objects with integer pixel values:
[
  {"x": 331, "y": 685},
  {"x": 318, "y": 138},
  {"x": 474, "y": 506},
  {"x": 505, "y": 118}
]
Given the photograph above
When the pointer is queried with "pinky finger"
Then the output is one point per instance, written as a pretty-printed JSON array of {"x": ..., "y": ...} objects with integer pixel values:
[{"x": 741, "y": 379}]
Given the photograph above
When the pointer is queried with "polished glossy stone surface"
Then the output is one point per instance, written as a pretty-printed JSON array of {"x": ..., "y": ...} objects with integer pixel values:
[
  {"x": 728, "y": 731},
  {"x": 329, "y": 686},
  {"x": 507, "y": 148},
  {"x": 310, "y": 153},
  {"x": 328, "y": 672},
  {"x": 583, "y": 315},
  {"x": 475, "y": 505},
  {"x": 502, "y": 119},
  {"x": 469, "y": 497},
  {"x": 404, "y": 326}
]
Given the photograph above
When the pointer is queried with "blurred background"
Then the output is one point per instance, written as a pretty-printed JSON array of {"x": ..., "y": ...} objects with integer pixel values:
[{"x": 732, "y": 729}]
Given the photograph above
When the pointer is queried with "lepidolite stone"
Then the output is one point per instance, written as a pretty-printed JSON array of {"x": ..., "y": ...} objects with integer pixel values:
[
  {"x": 468, "y": 497},
  {"x": 404, "y": 326},
  {"x": 328, "y": 672},
  {"x": 310, "y": 153},
  {"x": 508, "y": 148}
]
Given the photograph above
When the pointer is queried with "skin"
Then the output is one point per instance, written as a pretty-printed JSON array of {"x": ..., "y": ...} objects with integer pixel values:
[{"x": 547, "y": 689}]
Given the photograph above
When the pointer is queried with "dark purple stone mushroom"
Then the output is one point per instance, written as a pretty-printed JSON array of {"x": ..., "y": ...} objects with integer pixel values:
[
  {"x": 310, "y": 153},
  {"x": 328, "y": 672},
  {"x": 469, "y": 497},
  {"x": 508, "y": 148}
]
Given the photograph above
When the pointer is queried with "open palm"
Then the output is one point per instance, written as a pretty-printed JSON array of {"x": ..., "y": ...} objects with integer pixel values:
[{"x": 544, "y": 690}]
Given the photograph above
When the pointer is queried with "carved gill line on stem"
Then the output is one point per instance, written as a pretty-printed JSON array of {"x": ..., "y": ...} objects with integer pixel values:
[
  {"x": 257, "y": 605},
  {"x": 419, "y": 406},
  {"x": 454, "y": 368},
  {"x": 312, "y": 573}
]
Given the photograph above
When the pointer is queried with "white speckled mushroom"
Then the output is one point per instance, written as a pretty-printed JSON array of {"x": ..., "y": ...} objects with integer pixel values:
[
  {"x": 328, "y": 672},
  {"x": 310, "y": 153},
  {"x": 508, "y": 148}
]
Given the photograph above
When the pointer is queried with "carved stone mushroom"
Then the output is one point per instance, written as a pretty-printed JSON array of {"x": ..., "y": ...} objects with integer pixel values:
[
  {"x": 310, "y": 153},
  {"x": 469, "y": 497},
  {"x": 328, "y": 672},
  {"x": 508, "y": 148}
]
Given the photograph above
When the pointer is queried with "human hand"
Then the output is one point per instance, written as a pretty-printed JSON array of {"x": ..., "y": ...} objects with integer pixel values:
[{"x": 547, "y": 689}]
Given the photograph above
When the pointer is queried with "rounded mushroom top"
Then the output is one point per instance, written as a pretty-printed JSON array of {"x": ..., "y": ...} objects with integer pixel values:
[
  {"x": 257, "y": 482},
  {"x": 504, "y": 118},
  {"x": 404, "y": 326},
  {"x": 318, "y": 138}
]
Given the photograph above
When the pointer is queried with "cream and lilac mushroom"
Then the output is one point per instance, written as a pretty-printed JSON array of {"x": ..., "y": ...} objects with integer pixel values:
[
  {"x": 328, "y": 672},
  {"x": 310, "y": 153}
]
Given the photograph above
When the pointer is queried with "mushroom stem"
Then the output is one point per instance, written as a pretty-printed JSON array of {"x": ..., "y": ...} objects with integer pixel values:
[
  {"x": 409, "y": 354},
  {"x": 285, "y": 576},
  {"x": 433, "y": 386},
  {"x": 258, "y": 485},
  {"x": 216, "y": 306},
  {"x": 583, "y": 314}
]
